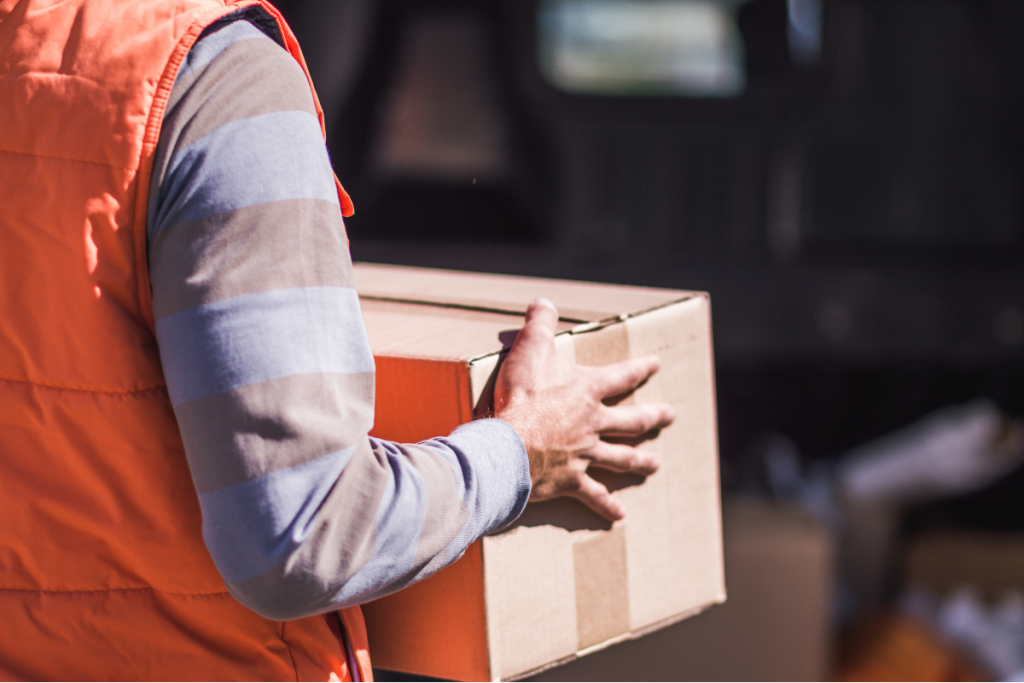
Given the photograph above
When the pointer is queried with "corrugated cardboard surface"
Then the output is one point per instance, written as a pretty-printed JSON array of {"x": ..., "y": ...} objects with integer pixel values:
[{"x": 561, "y": 581}]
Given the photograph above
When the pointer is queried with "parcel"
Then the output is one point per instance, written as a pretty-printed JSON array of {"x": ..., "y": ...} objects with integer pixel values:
[{"x": 561, "y": 581}]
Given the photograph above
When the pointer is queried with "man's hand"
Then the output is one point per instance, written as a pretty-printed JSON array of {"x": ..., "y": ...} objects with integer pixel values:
[{"x": 557, "y": 407}]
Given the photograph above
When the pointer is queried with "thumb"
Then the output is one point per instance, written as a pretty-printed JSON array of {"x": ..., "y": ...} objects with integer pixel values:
[
  {"x": 537, "y": 336},
  {"x": 541, "y": 314},
  {"x": 533, "y": 346}
]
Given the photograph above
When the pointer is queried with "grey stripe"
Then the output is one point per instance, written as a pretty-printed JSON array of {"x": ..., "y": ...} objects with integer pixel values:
[
  {"x": 242, "y": 163},
  {"x": 495, "y": 476},
  {"x": 290, "y": 243},
  {"x": 237, "y": 435},
  {"x": 207, "y": 49},
  {"x": 316, "y": 578},
  {"x": 256, "y": 337},
  {"x": 342, "y": 541},
  {"x": 248, "y": 78},
  {"x": 400, "y": 525},
  {"x": 254, "y": 526},
  {"x": 236, "y": 86}
]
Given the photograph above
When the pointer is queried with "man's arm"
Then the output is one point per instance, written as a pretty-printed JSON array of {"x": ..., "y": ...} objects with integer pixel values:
[
  {"x": 271, "y": 376},
  {"x": 267, "y": 362}
]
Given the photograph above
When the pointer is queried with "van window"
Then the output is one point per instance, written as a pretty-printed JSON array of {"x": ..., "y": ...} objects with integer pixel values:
[{"x": 642, "y": 47}]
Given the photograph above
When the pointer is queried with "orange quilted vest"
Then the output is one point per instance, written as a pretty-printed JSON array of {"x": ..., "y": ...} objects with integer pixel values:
[{"x": 103, "y": 571}]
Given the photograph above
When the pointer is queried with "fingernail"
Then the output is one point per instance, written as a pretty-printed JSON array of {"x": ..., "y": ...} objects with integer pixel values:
[{"x": 544, "y": 301}]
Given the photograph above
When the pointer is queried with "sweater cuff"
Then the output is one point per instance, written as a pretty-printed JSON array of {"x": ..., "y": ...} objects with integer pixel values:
[{"x": 503, "y": 469}]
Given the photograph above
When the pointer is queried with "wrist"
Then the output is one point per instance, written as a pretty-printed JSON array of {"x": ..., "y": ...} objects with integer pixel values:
[{"x": 522, "y": 421}]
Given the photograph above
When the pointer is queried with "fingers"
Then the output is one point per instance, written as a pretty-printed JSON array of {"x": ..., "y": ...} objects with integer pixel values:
[
  {"x": 596, "y": 497},
  {"x": 623, "y": 458},
  {"x": 619, "y": 378},
  {"x": 636, "y": 419}
]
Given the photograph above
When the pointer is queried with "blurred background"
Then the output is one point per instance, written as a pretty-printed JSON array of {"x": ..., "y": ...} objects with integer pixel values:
[{"x": 846, "y": 178}]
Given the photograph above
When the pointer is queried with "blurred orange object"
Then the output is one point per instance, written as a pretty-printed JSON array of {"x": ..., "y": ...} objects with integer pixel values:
[{"x": 891, "y": 647}]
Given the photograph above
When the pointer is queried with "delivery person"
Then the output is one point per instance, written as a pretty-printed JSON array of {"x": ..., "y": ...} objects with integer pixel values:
[{"x": 186, "y": 389}]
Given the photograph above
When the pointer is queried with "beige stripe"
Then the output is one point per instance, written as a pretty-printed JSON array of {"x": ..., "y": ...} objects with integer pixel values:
[
  {"x": 238, "y": 435},
  {"x": 336, "y": 551},
  {"x": 445, "y": 513},
  {"x": 234, "y": 86},
  {"x": 231, "y": 87},
  {"x": 340, "y": 544},
  {"x": 282, "y": 244}
]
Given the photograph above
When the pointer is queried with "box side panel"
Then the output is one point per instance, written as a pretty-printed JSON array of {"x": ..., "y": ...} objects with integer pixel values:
[
  {"x": 419, "y": 399},
  {"x": 674, "y": 539},
  {"x": 435, "y": 627},
  {"x": 564, "y": 562},
  {"x": 531, "y": 601},
  {"x": 482, "y": 374}
]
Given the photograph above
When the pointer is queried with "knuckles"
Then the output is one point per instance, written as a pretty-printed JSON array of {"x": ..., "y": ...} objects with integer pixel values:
[
  {"x": 632, "y": 461},
  {"x": 573, "y": 484}
]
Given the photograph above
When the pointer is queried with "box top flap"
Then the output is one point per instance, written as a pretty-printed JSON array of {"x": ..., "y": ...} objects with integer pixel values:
[
  {"x": 409, "y": 330},
  {"x": 577, "y": 302}
]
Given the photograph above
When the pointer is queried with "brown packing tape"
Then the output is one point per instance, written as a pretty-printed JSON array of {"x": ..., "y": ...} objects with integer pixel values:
[
  {"x": 599, "y": 560},
  {"x": 603, "y": 346},
  {"x": 602, "y": 587}
]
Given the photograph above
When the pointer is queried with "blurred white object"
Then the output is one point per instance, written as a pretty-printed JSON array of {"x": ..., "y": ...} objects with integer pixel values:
[
  {"x": 951, "y": 451},
  {"x": 994, "y": 636},
  {"x": 804, "y": 31},
  {"x": 964, "y": 619}
]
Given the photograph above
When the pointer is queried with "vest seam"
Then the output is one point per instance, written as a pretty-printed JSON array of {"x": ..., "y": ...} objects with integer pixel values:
[
  {"x": 89, "y": 390},
  {"x": 69, "y": 159},
  {"x": 279, "y": 632},
  {"x": 109, "y": 590}
]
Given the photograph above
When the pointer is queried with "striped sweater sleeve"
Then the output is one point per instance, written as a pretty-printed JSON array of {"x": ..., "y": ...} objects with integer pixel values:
[{"x": 267, "y": 361}]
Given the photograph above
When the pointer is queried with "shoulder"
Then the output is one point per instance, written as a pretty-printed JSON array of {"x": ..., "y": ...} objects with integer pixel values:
[{"x": 239, "y": 85}]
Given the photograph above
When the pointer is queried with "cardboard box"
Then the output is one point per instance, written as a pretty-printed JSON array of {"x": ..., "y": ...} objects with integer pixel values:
[
  {"x": 776, "y": 625},
  {"x": 561, "y": 582}
]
